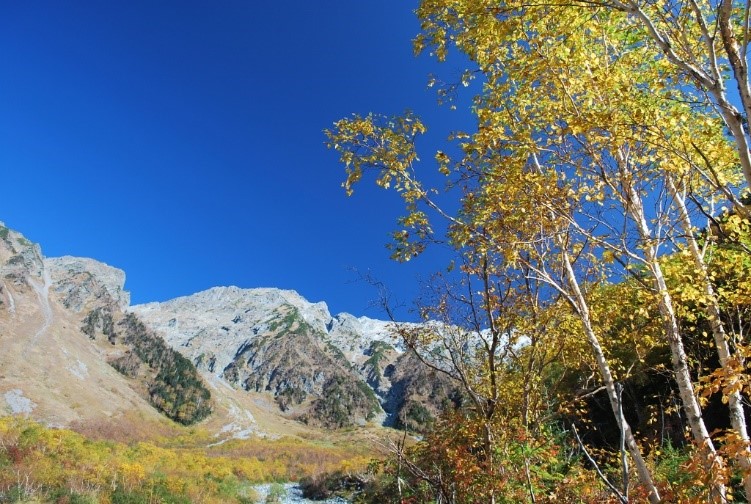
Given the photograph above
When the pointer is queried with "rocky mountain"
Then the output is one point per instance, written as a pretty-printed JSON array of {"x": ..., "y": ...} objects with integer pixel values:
[
  {"x": 66, "y": 333},
  {"x": 48, "y": 368},
  {"x": 332, "y": 371},
  {"x": 241, "y": 361}
]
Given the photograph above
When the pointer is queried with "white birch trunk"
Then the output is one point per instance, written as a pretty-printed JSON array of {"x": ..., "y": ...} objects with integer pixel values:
[
  {"x": 577, "y": 299},
  {"x": 735, "y": 400},
  {"x": 634, "y": 206},
  {"x": 582, "y": 308}
]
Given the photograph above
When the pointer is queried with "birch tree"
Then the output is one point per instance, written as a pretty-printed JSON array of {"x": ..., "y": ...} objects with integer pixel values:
[{"x": 603, "y": 128}]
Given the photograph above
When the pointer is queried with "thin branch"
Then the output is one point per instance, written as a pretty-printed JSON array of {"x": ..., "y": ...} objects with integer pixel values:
[{"x": 621, "y": 497}]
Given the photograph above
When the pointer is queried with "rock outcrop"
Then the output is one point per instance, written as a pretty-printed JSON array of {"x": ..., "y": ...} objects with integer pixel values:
[{"x": 79, "y": 281}]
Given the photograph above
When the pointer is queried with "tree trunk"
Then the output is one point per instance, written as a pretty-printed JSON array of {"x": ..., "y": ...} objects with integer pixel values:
[
  {"x": 582, "y": 309},
  {"x": 576, "y": 298},
  {"x": 740, "y": 74},
  {"x": 634, "y": 206},
  {"x": 735, "y": 400}
]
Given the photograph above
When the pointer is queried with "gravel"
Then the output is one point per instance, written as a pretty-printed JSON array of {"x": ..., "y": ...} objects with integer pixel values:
[{"x": 293, "y": 495}]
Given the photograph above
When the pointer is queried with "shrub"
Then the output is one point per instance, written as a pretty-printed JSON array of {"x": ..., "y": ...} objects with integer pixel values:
[{"x": 277, "y": 492}]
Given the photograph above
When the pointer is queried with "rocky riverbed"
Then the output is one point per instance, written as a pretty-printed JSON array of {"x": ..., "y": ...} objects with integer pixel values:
[{"x": 292, "y": 495}]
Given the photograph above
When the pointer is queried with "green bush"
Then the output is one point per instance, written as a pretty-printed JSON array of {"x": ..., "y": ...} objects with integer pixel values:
[
  {"x": 276, "y": 493},
  {"x": 155, "y": 492}
]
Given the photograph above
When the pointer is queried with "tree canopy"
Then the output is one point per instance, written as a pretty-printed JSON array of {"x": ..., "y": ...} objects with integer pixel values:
[{"x": 610, "y": 148}]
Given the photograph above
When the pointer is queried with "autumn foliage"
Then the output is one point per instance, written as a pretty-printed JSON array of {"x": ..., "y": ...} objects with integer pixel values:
[
  {"x": 597, "y": 207},
  {"x": 39, "y": 464}
]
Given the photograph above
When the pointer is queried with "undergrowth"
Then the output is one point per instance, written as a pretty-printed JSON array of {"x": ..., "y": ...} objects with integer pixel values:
[{"x": 39, "y": 464}]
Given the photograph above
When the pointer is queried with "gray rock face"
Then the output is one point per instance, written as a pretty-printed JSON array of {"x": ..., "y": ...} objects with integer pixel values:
[
  {"x": 220, "y": 321},
  {"x": 274, "y": 341},
  {"x": 18, "y": 403},
  {"x": 19, "y": 258},
  {"x": 78, "y": 281},
  {"x": 319, "y": 368}
]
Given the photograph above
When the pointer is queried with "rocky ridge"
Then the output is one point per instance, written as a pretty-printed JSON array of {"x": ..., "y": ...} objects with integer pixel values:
[
  {"x": 327, "y": 370},
  {"x": 75, "y": 351},
  {"x": 80, "y": 280},
  {"x": 223, "y": 319}
]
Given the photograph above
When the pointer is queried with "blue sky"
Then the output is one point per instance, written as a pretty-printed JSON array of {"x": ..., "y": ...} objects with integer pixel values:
[{"x": 182, "y": 141}]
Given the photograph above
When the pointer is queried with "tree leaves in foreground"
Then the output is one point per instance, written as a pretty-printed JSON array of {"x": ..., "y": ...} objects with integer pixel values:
[{"x": 606, "y": 152}]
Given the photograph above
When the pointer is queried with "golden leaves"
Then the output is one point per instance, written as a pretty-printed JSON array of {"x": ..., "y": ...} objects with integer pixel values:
[{"x": 385, "y": 145}]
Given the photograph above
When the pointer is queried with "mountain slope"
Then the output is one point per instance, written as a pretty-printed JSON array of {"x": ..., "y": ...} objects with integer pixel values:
[
  {"x": 50, "y": 369},
  {"x": 332, "y": 371},
  {"x": 241, "y": 361},
  {"x": 73, "y": 356}
]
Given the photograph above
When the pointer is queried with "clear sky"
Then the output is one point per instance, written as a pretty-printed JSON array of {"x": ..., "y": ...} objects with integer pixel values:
[{"x": 182, "y": 141}]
